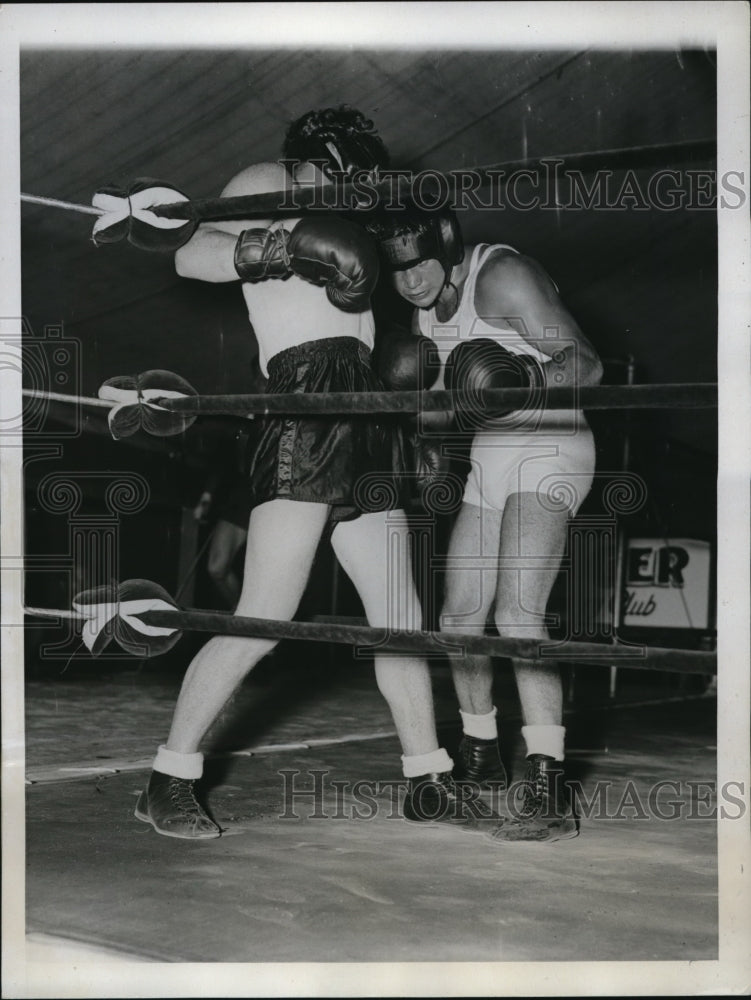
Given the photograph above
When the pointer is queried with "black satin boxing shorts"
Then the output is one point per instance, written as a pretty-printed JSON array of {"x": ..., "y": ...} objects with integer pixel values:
[{"x": 354, "y": 463}]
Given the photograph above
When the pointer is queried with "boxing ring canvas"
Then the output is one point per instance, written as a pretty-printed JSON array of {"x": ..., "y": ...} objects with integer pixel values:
[{"x": 611, "y": 152}]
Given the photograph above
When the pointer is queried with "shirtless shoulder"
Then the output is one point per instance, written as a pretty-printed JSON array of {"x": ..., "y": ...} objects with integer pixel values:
[{"x": 258, "y": 178}]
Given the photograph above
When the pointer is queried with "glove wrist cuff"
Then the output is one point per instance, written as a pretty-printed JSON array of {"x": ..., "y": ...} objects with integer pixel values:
[{"x": 261, "y": 254}]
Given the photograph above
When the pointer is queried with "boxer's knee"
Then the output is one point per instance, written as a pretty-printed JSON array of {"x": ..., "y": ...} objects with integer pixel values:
[
  {"x": 514, "y": 622},
  {"x": 465, "y": 607}
]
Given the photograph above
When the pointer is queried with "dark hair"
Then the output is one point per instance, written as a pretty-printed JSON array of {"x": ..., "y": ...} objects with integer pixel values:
[{"x": 356, "y": 144}]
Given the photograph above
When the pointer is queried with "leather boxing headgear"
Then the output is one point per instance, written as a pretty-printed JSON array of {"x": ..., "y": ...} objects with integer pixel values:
[
  {"x": 341, "y": 137},
  {"x": 406, "y": 241}
]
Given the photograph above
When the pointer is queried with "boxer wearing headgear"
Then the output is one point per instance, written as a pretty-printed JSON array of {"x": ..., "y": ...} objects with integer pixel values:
[
  {"x": 306, "y": 286},
  {"x": 490, "y": 312},
  {"x": 418, "y": 237}
]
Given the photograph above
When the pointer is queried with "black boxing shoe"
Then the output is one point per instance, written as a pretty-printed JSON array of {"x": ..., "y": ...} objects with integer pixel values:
[
  {"x": 480, "y": 762},
  {"x": 435, "y": 798},
  {"x": 170, "y": 805},
  {"x": 545, "y": 814}
]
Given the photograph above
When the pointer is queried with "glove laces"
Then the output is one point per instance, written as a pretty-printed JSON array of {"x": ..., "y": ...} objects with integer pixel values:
[{"x": 275, "y": 247}]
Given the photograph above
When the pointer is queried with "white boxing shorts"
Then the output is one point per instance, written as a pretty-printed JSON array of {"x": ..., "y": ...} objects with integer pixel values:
[{"x": 555, "y": 461}]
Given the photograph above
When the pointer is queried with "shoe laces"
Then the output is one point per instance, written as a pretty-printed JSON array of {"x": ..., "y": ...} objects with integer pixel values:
[
  {"x": 535, "y": 789},
  {"x": 181, "y": 794},
  {"x": 446, "y": 781}
]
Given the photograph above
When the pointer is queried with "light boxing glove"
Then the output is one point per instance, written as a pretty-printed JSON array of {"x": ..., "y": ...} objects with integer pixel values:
[
  {"x": 480, "y": 364},
  {"x": 127, "y": 215},
  {"x": 136, "y": 403},
  {"x": 327, "y": 251},
  {"x": 404, "y": 360}
]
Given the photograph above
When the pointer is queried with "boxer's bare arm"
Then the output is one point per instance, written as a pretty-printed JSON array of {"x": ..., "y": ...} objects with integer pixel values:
[
  {"x": 514, "y": 290},
  {"x": 210, "y": 253}
]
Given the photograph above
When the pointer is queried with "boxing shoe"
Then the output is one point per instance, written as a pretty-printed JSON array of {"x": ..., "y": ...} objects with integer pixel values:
[
  {"x": 480, "y": 767},
  {"x": 545, "y": 814},
  {"x": 480, "y": 762},
  {"x": 435, "y": 798},
  {"x": 170, "y": 805}
]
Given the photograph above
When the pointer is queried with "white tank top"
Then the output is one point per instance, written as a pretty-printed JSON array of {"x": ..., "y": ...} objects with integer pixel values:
[
  {"x": 291, "y": 312},
  {"x": 465, "y": 324}
]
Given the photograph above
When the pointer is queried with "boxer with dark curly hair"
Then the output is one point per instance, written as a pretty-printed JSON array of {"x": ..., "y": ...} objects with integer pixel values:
[
  {"x": 342, "y": 138},
  {"x": 307, "y": 285}
]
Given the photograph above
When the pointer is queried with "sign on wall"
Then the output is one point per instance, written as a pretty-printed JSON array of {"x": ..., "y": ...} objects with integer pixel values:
[{"x": 668, "y": 583}]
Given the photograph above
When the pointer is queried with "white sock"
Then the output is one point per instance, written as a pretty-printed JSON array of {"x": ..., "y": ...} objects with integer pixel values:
[
  {"x": 482, "y": 727},
  {"x": 435, "y": 762},
  {"x": 545, "y": 739},
  {"x": 179, "y": 765}
]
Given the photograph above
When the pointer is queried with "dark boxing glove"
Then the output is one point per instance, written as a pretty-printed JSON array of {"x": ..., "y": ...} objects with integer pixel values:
[
  {"x": 480, "y": 364},
  {"x": 328, "y": 251},
  {"x": 429, "y": 463},
  {"x": 437, "y": 487},
  {"x": 404, "y": 360}
]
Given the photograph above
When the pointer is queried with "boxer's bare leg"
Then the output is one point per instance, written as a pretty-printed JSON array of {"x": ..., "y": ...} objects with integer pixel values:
[
  {"x": 534, "y": 538},
  {"x": 282, "y": 540},
  {"x": 471, "y": 581},
  {"x": 374, "y": 552}
]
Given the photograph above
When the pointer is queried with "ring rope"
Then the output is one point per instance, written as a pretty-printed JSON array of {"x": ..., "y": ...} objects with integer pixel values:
[
  {"x": 287, "y": 202},
  {"x": 399, "y": 186},
  {"x": 423, "y": 642},
  {"x": 70, "y": 206},
  {"x": 673, "y": 395},
  {"x": 694, "y": 395},
  {"x": 62, "y": 397}
]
